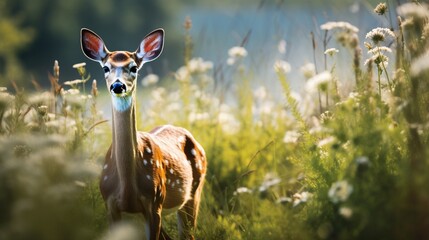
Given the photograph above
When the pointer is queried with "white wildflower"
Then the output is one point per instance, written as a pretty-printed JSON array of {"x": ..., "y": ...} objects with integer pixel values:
[
  {"x": 235, "y": 54},
  {"x": 284, "y": 200},
  {"x": 379, "y": 49},
  {"x": 420, "y": 10},
  {"x": 197, "y": 117},
  {"x": 331, "y": 51},
  {"x": 71, "y": 91},
  {"x": 341, "y": 25},
  {"x": 326, "y": 141},
  {"x": 420, "y": 65},
  {"x": 269, "y": 182},
  {"x": 282, "y": 66},
  {"x": 227, "y": 120},
  {"x": 318, "y": 82},
  {"x": 74, "y": 82},
  {"x": 260, "y": 93},
  {"x": 308, "y": 70},
  {"x": 301, "y": 198},
  {"x": 182, "y": 74},
  {"x": 281, "y": 47},
  {"x": 40, "y": 98},
  {"x": 346, "y": 212},
  {"x": 79, "y": 65},
  {"x": 379, "y": 34},
  {"x": 340, "y": 191},
  {"x": 291, "y": 136},
  {"x": 149, "y": 80},
  {"x": 379, "y": 59},
  {"x": 242, "y": 190},
  {"x": 198, "y": 65}
]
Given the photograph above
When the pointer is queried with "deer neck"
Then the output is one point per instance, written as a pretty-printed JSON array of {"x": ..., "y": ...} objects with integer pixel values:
[{"x": 124, "y": 146}]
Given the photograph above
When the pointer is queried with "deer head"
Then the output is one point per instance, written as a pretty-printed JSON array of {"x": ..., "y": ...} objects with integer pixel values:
[{"x": 121, "y": 67}]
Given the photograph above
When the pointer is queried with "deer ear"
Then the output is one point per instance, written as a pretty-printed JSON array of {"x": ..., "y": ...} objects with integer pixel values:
[
  {"x": 151, "y": 46},
  {"x": 92, "y": 45}
]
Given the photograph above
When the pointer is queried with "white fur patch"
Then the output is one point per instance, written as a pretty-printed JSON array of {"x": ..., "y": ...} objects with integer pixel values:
[{"x": 121, "y": 103}]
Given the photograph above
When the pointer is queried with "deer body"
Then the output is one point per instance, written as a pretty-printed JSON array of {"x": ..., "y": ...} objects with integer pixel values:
[{"x": 149, "y": 173}]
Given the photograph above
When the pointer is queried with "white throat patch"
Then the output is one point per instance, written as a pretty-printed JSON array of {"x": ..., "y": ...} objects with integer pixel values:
[{"x": 121, "y": 103}]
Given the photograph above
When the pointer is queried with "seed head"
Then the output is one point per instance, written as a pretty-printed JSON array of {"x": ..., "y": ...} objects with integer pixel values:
[{"x": 381, "y": 9}]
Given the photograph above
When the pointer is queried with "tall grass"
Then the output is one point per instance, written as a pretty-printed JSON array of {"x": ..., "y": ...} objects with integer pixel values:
[{"x": 322, "y": 164}]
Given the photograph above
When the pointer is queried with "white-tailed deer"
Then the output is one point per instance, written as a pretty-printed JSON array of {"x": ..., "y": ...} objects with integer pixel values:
[{"x": 148, "y": 173}]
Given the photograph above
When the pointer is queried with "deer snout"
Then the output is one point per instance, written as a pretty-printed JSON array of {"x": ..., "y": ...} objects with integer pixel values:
[{"x": 118, "y": 87}]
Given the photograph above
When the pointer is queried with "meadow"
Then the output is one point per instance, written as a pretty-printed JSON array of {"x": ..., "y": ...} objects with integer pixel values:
[{"x": 328, "y": 162}]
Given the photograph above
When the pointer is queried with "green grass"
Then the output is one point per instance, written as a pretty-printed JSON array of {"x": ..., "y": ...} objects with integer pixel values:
[{"x": 354, "y": 166}]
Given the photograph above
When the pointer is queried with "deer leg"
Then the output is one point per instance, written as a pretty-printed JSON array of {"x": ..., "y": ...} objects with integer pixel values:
[
  {"x": 187, "y": 215},
  {"x": 113, "y": 212}
]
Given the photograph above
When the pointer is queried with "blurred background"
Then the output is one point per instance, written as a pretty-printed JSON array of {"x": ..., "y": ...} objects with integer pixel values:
[{"x": 35, "y": 33}]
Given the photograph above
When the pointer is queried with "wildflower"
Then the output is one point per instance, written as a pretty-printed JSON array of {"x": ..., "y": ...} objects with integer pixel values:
[
  {"x": 331, "y": 51},
  {"x": 71, "y": 91},
  {"x": 182, "y": 74},
  {"x": 378, "y": 35},
  {"x": 420, "y": 65},
  {"x": 242, "y": 190},
  {"x": 417, "y": 11},
  {"x": 281, "y": 47},
  {"x": 260, "y": 93},
  {"x": 284, "y": 200},
  {"x": 198, "y": 65},
  {"x": 5, "y": 99},
  {"x": 346, "y": 212},
  {"x": 40, "y": 98},
  {"x": 379, "y": 49},
  {"x": 270, "y": 181},
  {"x": 340, "y": 25},
  {"x": 340, "y": 191},
  {"x": 291, "y": 136},
  {"x": 326, "y": 141},
  {"x": 282, "y": 66},
  {"x": 301, "y": 198},
  {"x": 379, "y": 59},
  {"x": 381, "y": 9},
  {"x": 79, "y": 65},
  {"x": 196, "y": 117},
  {"x": 150, "y": 79},
  {"x": 235, "y": 54},
  {"x": 74, "y": 82},
  {"x": 227, "y": 120},
  {"x": 308, "y": 70},
  {"x": 318, "y": 82}
]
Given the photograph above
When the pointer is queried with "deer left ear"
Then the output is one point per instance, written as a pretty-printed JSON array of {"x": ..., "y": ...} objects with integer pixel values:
[{"x": 151, "y": 46}]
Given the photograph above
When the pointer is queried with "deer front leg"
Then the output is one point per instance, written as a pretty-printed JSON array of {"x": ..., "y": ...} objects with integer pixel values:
[
  {"x": 152, "y": 213},
  {"x": 113, "y": 212}
]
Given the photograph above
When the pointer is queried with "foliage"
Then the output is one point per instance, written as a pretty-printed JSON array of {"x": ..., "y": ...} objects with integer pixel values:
[{"x": 320, "y": 164}]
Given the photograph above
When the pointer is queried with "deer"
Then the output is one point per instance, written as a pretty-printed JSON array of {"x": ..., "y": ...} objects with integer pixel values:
[{"x": 150, "y": 173}]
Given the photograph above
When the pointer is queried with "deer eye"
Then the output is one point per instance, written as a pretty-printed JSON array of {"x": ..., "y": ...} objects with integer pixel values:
[
  {"x": 106, "y": 69},
  {"x": 133, "y": 69}
]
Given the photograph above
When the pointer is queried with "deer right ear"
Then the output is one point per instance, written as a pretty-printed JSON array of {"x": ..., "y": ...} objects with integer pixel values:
[{"x": 92, "y": 45}]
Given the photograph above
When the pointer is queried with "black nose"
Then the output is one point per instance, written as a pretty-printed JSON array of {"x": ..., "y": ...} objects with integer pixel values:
[{"x": 118, "y": 87}]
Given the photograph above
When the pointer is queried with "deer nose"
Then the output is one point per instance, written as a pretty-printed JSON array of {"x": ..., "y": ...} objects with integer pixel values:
[{"x": 118, "y": 87}]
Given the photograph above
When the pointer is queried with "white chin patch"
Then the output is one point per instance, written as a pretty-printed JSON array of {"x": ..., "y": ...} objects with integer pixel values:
[{"x": 121, "y": 103}]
